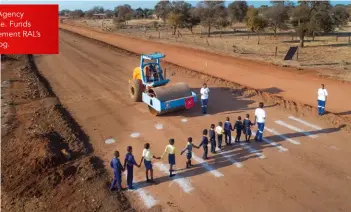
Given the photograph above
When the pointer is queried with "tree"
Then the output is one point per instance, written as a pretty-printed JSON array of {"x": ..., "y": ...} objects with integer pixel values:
[
  {"x": 109, "y": 13},
  {"x": 139, "y": 13},
  {"x": 64, "y": 12},
  {"x": 148, "y": 12},
  {"x": 77, "y": 13},
  {"x": 98, "y": 9},
  {"x": 192, "y": 19},
  {"x": 311, "y": 17},
  {"x": 174, "y": 20},
  {"x": 341, "y": 15},
  {"x": 276, "y": 16},
  {"x": 179, "y": 13},
  {"x": 162, "y": 8},
  {"x": 211, "y": 13},
  {"x": 123, "y": 13},
  {"x": 237, "y": 11},
  {"x": 89, "y": 13},
  {"x": 255, "y": 22}
]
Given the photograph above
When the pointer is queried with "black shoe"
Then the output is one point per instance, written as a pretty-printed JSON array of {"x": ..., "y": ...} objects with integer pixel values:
[
  {"x": 148, "y": 181},
  {"x": 171, "y": 175}
]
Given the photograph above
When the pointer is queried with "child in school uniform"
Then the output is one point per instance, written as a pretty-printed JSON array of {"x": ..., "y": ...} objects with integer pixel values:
[
  {"x": 117, "y": 172},
  {"x": 129, "y": 163},
  {"x": 189, "y": 152},
  {"x": 219, "y": 131},
  {"x": 147, "y": 156},
  {"x": 212, "y": 136},
  {"x": 228, "y": 131},
  {"x": 170, "y": 149},
  {"x": 239, "y": 127},
  {"x": 247, "y": 128},
  {"x": 204, "y": 144}
]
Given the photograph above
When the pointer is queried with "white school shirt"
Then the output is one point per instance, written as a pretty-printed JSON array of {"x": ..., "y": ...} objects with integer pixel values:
[
  {"x": 204, "y": 93},
  {"x": 322, "y": 93},
  {"x": 260, "y": 115},
  {"x": 147, "y": 154}
]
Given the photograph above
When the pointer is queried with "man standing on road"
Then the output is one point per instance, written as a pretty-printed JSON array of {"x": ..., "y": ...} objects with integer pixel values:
[
  {"x": 322, "y": 99},
  {"x": 204, "y": 98},
  {"x": 260, "y": 115}
]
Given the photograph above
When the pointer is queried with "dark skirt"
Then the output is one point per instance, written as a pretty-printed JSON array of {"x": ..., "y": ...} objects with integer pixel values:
[
  {"x": 148, "y": 165},
  {"x": 171, "y": 159},
  {"x": 189, "y": 155}
]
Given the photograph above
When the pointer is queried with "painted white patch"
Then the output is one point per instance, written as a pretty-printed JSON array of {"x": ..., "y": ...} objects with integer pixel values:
[
  {"x": 145, "y": 196},
  {"x": 295, "y": 129},
  {"x": 184, "y": 120},
  {"x": 159, "y": 126},
  {"x": 305, "y": 123},
  {"x": 282, "y": 136},
  {"x": 253, "y": 151},
  {"x": 184, "y": 183},
  {"x": 207, "y": 166},
  {"x": 272, "y": 143},
  {"x": 333, "y": 147},
  {"x": 233, "y": 161},
  {"x": 135, "y": 135},
  {"x": 110, "y": 141}
]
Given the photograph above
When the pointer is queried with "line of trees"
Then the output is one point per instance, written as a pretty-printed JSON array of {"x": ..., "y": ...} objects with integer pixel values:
[{"x": 307, "y": 18}]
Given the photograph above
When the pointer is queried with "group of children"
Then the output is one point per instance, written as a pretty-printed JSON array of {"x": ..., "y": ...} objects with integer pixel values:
[{"x": 209, "y": 136}]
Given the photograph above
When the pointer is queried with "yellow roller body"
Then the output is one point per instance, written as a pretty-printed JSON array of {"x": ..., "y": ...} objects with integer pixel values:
[{"x": 136, "y": 73}]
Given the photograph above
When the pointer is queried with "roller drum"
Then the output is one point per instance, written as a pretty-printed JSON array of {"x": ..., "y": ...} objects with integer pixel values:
[{"x": 171, "y": 92}]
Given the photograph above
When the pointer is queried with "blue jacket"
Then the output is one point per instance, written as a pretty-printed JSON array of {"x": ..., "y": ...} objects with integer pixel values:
[
  {"x": 228, "y": 126},
  {"x": 204, "y": 141},
  {"x": 116, "y": 165}
]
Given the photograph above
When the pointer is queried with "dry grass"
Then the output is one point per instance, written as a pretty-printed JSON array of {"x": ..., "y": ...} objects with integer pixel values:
[{"x": 329, "y": 55}]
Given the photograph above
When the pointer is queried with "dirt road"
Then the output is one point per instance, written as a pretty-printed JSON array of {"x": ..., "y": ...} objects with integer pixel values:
[
  {"x": 299, "y": 167},
  {"x": 299, "y": 86}
]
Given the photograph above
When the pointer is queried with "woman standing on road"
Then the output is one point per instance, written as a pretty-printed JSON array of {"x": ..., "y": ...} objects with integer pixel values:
[{"x": 204, "y": 98}]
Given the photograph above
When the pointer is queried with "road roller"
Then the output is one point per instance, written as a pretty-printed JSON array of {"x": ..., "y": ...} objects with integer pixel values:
[{"x": 150, "y": 85}]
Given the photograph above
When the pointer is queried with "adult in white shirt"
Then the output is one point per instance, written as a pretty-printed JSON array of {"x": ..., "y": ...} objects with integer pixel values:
[
  {"x": 204, "y": 98},
  {"x": 260, "y": 115},
  {"x": 322, "y": 99}
]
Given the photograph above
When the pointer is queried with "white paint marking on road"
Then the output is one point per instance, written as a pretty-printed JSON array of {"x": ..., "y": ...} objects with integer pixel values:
[
  {"x": 295, "y": 129},
  {"x": 184, "y": 120},
  {"x": 207, "y": 166},
  {"x": 145, "y": 196},
  {"x": 252, "y": 150},
  {"x": 333, "y": 147},
  {"x": 110, "y": 141},
  {"x": 282, "y": 136},
  {"x": 305, "y": 123},
  {"x": 184, "y": 183},
  {"x": 233, "y": 161},
  {"x": 159, "y": 126},
  {"x": 272, "y": 143},
  {"x": 135, "y": 135}
]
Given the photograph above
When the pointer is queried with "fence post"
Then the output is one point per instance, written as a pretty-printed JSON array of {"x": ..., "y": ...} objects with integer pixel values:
[
  {"x": 297, "y": 54},
  {"x": 276, "y": 50}
]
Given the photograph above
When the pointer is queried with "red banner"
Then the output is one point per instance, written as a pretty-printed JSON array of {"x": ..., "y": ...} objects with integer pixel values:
[{"x": 29, "y": 29}]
